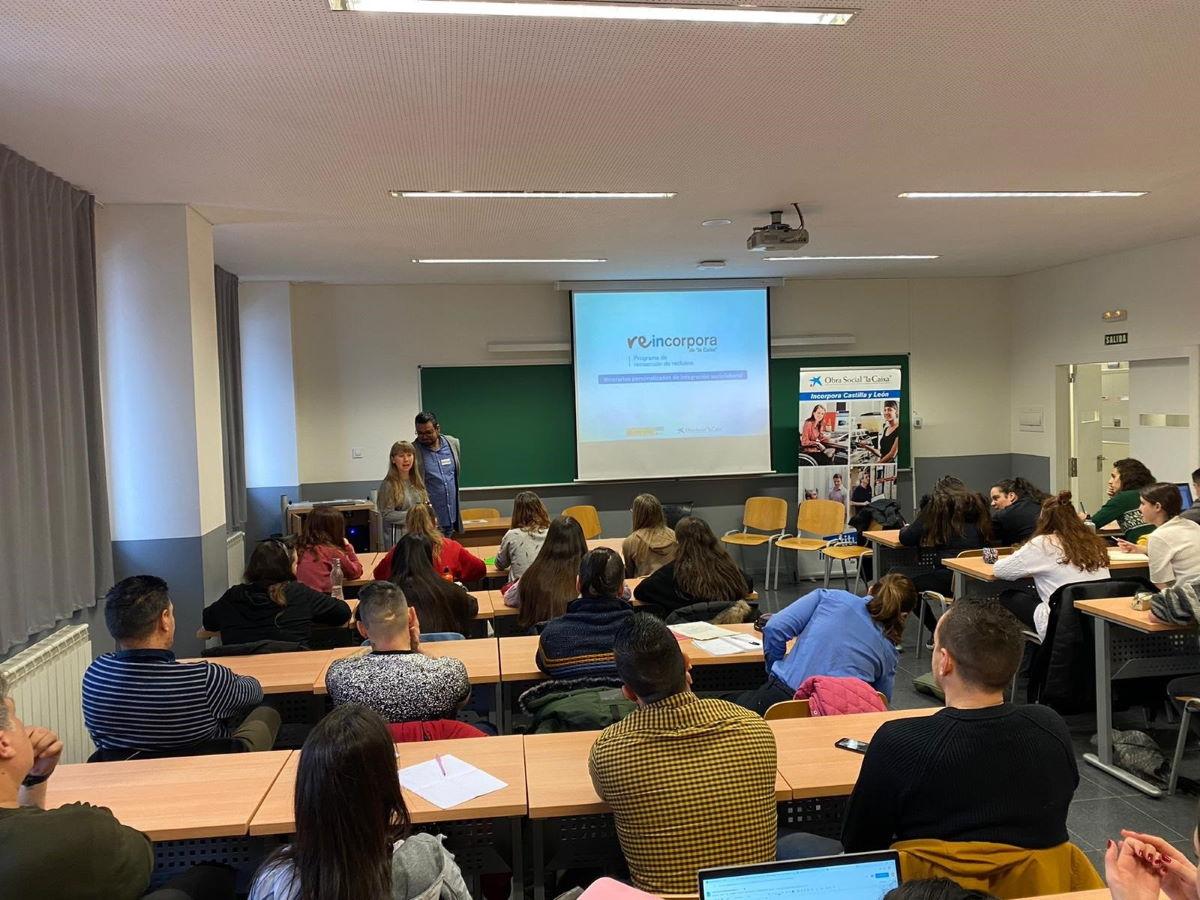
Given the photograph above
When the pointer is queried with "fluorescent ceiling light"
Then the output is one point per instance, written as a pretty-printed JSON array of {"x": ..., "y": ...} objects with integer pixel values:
[
  {"x": 574, "y": 9},
  {"x": 985, "y": 195},
  {"x": 487, "y": 261},
  {"x": 539, "y": 195},
  {"x": 825, "y": 258}
]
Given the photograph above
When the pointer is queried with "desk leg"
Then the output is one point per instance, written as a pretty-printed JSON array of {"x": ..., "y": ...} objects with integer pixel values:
[
  {"x": 1104, "y": 761},
  {"x": 504, "y": 699},
  {"x": 537, "y": 838},
  {"x": 518, "y": 860},
  {"x": 498, "y": 719},
  {"x": 958, "y": 586}
]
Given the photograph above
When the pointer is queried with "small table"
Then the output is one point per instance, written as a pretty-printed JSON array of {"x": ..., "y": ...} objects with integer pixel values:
[
  {"x": 974, "y": 577},
  {"x": 482, "y": 532},
  {"x": 174, "y": 799},
  {"x": 278, "y": 673},
  {"x": 471, "y": 828},
  {"x": 1144, "y": 646},
  {"x": 889, "y": 552},
  {"x": 369, "y": 562}
]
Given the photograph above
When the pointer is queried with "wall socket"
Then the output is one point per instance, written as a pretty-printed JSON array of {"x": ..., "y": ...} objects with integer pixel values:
[
  {"x": 356, "y": 452},
  {"x": 917, "y": 421}
]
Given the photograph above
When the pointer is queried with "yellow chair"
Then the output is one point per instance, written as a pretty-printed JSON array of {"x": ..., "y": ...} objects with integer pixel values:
[
  {"x": 587, "y": 517},
  {"x": 480, "y": 512},
  {"x": 788, "y": 709},
  {"x": 819, "y": 517},
  {"x": 763, "y": 514}
]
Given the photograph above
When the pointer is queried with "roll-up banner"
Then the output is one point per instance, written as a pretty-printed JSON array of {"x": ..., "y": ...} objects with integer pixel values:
[{"x": 849, "y": 435}]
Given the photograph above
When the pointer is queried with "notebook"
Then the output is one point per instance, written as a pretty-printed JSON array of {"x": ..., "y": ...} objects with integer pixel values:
[{"x": 853, "y": 876}]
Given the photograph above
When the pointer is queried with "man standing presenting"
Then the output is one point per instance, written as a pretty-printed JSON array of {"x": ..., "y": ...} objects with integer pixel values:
[{"x": 441, "y": 467}]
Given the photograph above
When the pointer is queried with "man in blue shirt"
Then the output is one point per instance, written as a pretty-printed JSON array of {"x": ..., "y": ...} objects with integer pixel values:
[
  {"x": 836, "y": 633},
  {"x": 440, "y": 464}
]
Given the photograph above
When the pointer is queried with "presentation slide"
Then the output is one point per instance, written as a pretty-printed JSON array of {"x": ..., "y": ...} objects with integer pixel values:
[{"x": 671, "y": 383}]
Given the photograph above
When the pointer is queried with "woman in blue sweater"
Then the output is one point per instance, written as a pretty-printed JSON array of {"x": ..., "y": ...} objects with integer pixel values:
[
  {"x": 579, "y": 644},
  {"x": 837, "y": 633}
]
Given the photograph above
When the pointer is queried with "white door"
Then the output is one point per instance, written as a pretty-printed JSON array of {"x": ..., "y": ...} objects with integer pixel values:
[
  {"x": 1090, "y": 471},
  {"x": 1159, "y": 419}
]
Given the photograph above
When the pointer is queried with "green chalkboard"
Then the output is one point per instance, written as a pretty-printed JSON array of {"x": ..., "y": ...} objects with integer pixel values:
[{"x": 517, "y": 423}]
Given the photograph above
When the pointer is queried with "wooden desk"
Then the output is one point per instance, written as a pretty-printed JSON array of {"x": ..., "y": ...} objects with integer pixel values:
[
  {"x": 278, "y": 673},
  {"x": 888, "y": 551},
  {"x": 1145, "y": 647},
  {"x": 483, "y": 532},
  {"x": 480, "y": 656},
  {"x": 971, "y": 572},
  {"x": 809, "y": 762},
  {"x": 502, "y": 757},
  {"x": 369, "y": 562},
  {"x": 177, "y": 799},
  {"x": 488, "y": 552}
]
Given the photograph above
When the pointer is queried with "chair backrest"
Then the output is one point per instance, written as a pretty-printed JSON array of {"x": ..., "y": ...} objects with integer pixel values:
[
  {"x": 999, "y": 869},
  {"x": 821, "y": 517},
  {"x": 588, "y": 518},
  {"x": 428, "y": 637},
  {"x": 788, "y": 709},
  {"x": 765, "y": 514},
  {"x": 480, "y": 512},
  {"x": 432, "y": 730}
]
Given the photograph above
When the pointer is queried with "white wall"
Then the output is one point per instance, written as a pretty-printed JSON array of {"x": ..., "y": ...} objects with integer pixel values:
[
  {"x": 357, "y": 348},
  {"x": 1056, "y": 320},
  {"x": 268, "y": 392}
]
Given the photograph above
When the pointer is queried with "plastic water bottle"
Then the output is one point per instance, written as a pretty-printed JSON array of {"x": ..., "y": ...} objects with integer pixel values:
[{"x": 335, "y": 580}]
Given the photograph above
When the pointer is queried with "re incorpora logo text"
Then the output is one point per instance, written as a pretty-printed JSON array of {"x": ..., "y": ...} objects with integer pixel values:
[{"x": 654, "y": 340}]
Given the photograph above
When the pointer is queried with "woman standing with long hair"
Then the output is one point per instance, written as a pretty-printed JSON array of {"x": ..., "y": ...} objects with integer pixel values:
[
  {"x": 353, "y": 839},
  {"x": 1062, "y": 551},
  {"x": 702, "y": 572},
  {"x": 548, "y": 585},
  {"x": 401, "y": 489}
]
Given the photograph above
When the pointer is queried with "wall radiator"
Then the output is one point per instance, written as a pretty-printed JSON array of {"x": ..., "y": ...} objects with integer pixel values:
[
  {"x": 46, "y": 683},
  {"x": 235, "y": 550}
]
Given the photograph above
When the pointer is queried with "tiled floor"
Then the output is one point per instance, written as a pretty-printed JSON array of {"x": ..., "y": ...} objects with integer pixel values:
[{"x": 1102, "y": 805}]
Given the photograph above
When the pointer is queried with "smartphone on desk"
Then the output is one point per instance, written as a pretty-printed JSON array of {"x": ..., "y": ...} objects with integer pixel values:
[{"x": 854, "y": 746}]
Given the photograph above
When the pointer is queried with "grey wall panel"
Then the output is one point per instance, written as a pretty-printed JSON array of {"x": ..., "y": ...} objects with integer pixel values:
[
  {"x": 262, "y": 512},
  {"x": 1035, "y": 469},
  {"x": 180, "y": 562}
]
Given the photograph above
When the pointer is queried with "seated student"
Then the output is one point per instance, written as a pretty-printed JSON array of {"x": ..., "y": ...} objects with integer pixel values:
[
  {"x": 579, "y": 643},
  {"x": 77, "y": 850},
  {"x": 1061, "y": 551},
  {"x": 271, "y": 605},
  {"x": 691, "y": 781},
  {"x": 1193, "y": 512},
  {"x": 701, "y": 572},
  {"x": 837, "y": 633},
  {"x": 352, "y": 838},
  {"x": 651, "y": 544},
  {"x": 1174, "y": 545},
  {"x": 1016, "y": 505},
  {"x": 396, "y": 679},
  {"x": 1127, "y": 478},
  {"x": 953, "y": 519},
  {"x": 323, "y": 541},
  {"x": 448, "y": 554},
  {"x": 552, "y": 579},
  {"x": 402, "y": 489},
  {"x": 520, "y": 545},
  {"x": 139, "y": 698},
  {"x": 979, "y": 770},
  {"x": 441, "y": 605}
]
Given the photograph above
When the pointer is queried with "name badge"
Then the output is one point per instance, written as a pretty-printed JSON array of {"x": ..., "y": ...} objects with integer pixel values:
[{"x": 447, "y": 462}]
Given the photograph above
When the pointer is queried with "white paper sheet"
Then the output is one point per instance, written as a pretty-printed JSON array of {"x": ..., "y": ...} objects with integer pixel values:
[
  {"x": 460, "y": 783},
  {"x": 1122, "y": 556},
  {"x": 700, "y": 631},
  {"x": 727, "y": 646}
]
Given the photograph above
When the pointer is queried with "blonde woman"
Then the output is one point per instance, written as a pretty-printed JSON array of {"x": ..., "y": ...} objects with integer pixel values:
[
  {"x": 651, "y": 544},
  {"x": 401, "y": 490},
  {"x": 520, "y": 545},
  {"x": 448, "y": 554}
]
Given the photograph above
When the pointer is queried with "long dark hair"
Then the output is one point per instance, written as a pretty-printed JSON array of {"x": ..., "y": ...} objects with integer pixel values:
[
  {"x": 349, "y": 809},
  {"x": 703, "y": 569},
  {"x": 951, "y": 508},
  {"x": 549, "y": 582},
  {"x": 441, "y": 605},
  {"x": 324, "y": 525},
  {"x": 1134, "y": 474},
  {"x": 270, "y": 566},
  {"x": 1022, "y": 488},
  {"x": 1080, "y": 546}
]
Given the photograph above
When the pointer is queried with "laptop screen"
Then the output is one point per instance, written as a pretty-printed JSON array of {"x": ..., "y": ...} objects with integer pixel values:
[
  {"x": 855, "y": 876},
  {"x": 1185, "y": 492}
]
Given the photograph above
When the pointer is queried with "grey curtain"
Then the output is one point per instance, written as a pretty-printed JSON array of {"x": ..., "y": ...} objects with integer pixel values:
[
  {"x": 55, "y": 548},
  {"x": 233, "y": 438}
]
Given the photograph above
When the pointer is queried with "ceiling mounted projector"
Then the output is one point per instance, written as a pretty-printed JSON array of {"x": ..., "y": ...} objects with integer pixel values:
[{"x": 778, "y": 235}]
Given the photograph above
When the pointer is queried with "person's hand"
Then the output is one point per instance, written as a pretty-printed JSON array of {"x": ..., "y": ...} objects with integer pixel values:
[
  {"x": 1082, "y": 517},
  {"x": 1178, "y": 873},
  {"x": 1131, "y": 870},
  {"x": 47, "y": 750},
  {"x": 1127, "y": 547},
  {"x": 414, "y": 634}
]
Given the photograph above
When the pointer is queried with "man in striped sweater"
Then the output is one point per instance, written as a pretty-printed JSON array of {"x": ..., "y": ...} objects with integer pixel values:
[{"x": 141, "y": 699}]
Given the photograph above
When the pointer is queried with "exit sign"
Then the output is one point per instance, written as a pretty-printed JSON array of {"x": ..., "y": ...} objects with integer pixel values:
[{"x": 1121, "y": 337}]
